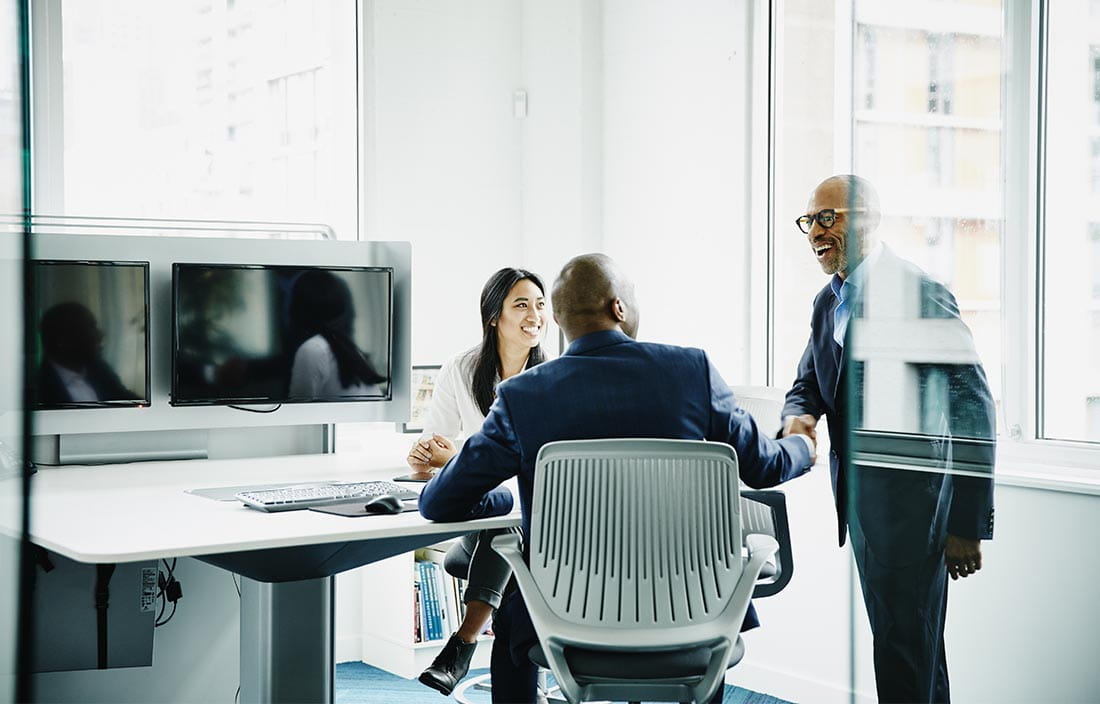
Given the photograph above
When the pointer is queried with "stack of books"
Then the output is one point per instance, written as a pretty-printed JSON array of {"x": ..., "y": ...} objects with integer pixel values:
[{"x": 437, "y": 598}]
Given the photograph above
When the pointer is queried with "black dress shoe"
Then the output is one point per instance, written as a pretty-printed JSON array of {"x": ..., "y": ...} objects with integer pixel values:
[{"x": 450, "y": 666}]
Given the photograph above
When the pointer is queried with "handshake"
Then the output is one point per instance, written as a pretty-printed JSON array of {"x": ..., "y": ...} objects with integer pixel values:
[{"x": 804, "y": 424}]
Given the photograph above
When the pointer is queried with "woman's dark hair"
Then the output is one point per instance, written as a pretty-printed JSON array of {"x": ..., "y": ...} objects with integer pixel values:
[
  {"x": 486, "y": 363},
  {"x": 320, "y": 304}
]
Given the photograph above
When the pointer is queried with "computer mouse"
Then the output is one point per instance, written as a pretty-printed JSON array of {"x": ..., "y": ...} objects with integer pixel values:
[{"x": 384, "y": 503}]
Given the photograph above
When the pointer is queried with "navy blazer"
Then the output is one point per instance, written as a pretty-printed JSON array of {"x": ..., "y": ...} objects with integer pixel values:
[
  {"x": 606, "y": 385},
  {"x": 959, "y": 505}
]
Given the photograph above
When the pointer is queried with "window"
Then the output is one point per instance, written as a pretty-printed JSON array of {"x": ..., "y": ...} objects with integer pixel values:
[
  {"x": 207, "y": 110},
  {"x": 1094, "y": 235},
  {"x": 869, "y": 44},
  {"x": 1094, "y": 165},
  {"x": 941, "y": 84},
  {"x": 920, "y": 94},
  {"x": 1070, "y": 276},
  {"x": 1094, "y": 53},
  {"x": 916, "y": 103}
]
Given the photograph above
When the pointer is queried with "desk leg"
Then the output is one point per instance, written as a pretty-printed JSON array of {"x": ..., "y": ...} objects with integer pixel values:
[{"x": 287, "y": 641}]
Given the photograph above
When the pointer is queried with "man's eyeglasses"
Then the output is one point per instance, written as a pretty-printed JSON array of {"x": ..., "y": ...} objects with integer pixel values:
[{"x": 826, "y": 218}]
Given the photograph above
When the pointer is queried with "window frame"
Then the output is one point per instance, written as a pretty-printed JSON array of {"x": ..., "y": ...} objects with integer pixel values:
[
  {"x": 1024, "y": 457},
  {"x": 47, "y": 118}
]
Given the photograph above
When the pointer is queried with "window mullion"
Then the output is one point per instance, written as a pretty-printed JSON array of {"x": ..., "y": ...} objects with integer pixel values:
[
  {"x": 1020, "y": 276},
  {"x": 47, "y": 108}
]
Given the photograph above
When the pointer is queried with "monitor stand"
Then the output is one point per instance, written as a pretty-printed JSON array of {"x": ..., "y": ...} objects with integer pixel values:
[{"x": 144, "y": 446}]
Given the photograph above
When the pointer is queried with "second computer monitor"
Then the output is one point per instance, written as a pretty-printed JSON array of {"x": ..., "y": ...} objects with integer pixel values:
[{"x": 245, "y": 334}]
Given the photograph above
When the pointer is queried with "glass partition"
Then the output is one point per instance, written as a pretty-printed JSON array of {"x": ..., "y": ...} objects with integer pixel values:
[
  {"x": 945, "y": 283},
  {"x": 12, "y": 431}
]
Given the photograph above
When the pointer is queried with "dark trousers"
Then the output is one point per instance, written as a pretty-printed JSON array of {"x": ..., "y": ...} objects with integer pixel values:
[
  {"x": 514, "y": 675},
  {"x": 906, "y": 599},
  {"x": 487, "y": 573}
]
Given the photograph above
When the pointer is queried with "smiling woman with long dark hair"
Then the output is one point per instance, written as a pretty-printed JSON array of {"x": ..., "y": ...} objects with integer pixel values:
[{"x": 512, "y": 320}]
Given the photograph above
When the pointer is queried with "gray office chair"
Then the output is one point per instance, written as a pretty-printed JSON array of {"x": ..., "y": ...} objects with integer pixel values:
[{"x": 637, "y": 586}]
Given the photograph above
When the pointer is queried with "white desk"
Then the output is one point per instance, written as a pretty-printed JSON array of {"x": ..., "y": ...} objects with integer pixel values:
[{"x": 125, "y": 513}]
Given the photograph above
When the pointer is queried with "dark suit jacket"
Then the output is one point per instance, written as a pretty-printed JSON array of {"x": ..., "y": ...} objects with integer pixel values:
[
  {"x": 914, "y": 507},
  {"x": 605, "y": 385},
  {"x": 50, "y": 390}
]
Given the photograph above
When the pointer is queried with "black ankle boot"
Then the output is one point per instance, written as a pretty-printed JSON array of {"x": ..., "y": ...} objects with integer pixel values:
[{"x": 450, "y": 666}]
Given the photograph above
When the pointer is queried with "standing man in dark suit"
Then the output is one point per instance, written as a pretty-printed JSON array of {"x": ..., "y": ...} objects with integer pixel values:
[
  {"x": 910, "y": 528},
  {"x": 605, "y": 385}
]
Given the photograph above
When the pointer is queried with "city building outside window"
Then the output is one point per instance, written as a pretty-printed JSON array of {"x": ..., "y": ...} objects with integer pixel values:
[{"x": 221, "y": 111}]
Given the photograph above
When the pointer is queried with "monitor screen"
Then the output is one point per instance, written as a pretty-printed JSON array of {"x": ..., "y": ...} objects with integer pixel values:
[
  {"x": 92, "y": 346},
  {"x": 245, "y": 334}
]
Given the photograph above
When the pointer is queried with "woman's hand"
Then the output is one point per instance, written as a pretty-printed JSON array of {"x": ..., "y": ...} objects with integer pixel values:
[
  {"x": 433, "y": 452},
  {"x": 442, "y": 450},
  {"x": 420, "y": 456}
]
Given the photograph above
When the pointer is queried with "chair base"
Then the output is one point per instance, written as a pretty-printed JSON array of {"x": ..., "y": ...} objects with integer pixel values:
[
  {"x": 609, "y": 674},
  {"x": 483, "y": 683}
]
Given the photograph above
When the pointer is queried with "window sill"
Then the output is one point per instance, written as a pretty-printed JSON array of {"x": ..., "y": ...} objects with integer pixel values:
[{"x": 1051, "y": 467}]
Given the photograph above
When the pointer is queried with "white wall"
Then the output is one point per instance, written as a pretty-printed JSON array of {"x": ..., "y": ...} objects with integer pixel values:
[
  {"x": 561, "y": 152},
  {"x": 634, "y": 143},
  {"x": 441, "y": 162},
  {"x": 676, "y": 169}
]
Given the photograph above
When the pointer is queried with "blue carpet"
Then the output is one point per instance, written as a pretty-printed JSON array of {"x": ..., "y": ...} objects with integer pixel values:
[{"x": 358, "y": 683}]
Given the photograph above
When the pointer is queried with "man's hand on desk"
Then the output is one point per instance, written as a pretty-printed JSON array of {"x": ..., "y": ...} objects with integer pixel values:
[{"x": 427, "y": 453}]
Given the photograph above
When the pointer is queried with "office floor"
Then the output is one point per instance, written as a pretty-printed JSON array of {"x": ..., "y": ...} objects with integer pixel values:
[{"x": 358, "y": 683}]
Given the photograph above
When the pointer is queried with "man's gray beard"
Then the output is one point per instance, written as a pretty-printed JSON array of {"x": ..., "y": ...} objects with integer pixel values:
[{"x": 841, "y": 264}]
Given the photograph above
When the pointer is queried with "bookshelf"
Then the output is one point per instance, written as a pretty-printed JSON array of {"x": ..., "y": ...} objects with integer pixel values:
[{"x": 388, "y": 634}]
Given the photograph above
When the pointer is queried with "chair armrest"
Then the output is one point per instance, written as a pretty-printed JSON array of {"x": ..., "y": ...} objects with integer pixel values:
[{"x": 766, "y": 513}]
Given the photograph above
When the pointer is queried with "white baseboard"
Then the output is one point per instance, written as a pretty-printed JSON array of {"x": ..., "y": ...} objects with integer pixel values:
[{"x": 348, "y": 649}]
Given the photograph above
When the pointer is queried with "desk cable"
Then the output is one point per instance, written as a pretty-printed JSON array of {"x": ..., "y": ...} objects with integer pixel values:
[
  {"x": 256, "y": 410},
  {"x": 169, "y": 590}
]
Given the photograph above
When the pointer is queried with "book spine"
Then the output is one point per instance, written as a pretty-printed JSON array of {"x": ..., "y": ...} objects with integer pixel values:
[
  {"x": 418, "y": 631},
  {"x": 452, "y": 602},
  {"x": 435, "y": 625},
  {"x": 446, "y": 617},
  {"x": 425, "y": 611}
]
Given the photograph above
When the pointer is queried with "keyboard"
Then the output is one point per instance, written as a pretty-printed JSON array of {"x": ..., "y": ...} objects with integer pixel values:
[{"x": 309, "y": 495}]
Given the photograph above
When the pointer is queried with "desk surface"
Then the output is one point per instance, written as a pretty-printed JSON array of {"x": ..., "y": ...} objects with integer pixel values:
[{"x": 140, "y": 511}]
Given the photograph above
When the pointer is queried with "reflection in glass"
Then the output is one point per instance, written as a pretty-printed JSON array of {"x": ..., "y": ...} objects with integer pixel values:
[
  {"x": 280, "y": 334},
  {"x": 328, "y": 364},
  {"x": 92, "y": 346},
  {"x": 14, "y": 488}
]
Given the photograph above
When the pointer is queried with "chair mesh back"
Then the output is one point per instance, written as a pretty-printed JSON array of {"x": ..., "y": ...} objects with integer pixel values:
[{"x": 632, "y": 534}]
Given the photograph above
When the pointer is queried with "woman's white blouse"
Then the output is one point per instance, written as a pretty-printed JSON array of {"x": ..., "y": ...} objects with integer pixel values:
[{"x": 453, "y": 412}]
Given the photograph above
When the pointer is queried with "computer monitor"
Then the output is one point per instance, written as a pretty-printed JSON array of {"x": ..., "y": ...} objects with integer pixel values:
[
  {"x": 273, "y": 334},
  {"x": 92, "y": 347}
]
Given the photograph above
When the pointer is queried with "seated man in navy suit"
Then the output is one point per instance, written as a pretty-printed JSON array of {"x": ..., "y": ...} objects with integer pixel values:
[{"x": 605, "y": 385}]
